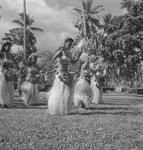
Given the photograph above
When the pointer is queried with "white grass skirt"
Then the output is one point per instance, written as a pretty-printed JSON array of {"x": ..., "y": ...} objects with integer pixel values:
[
  {"x": 30, "y": 93},
  {"x": 97, "y": 92},
  {"x": 6, "y": 91},
  {"x": 82, "y": 93},
  {"x": 59, "y": 100}
]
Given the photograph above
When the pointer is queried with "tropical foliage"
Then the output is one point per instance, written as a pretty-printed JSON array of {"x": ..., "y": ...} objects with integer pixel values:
[
  {"x": 123, "y": 45},
  {"x": 17, "y": 33},
  {"x": 29, "y": 22},
  {"x": 88, "y": 18},
  {"x": 119, "y": 38}
]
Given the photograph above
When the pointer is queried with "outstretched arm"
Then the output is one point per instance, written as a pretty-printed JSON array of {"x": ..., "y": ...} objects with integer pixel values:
[{"x": 57, "y": 54}]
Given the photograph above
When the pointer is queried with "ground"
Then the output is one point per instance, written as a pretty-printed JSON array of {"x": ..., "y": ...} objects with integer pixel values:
[{"x": 117, "y": 124}]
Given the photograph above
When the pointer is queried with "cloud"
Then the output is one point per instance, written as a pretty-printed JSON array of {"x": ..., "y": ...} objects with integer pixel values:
[
  {"x": 4, "y": 26},
  {"x": 54, "y": 16},
  {"x": 55, "y": 21}
]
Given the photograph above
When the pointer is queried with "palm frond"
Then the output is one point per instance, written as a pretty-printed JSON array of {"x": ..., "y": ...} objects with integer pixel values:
[
  {"x": 78, "y": 10},
  {"x": 18, "y": 22},
  {"x": 97, "y": 9},
  {"x": 89, "y": 5},
  {"x": 107, "y": 18},
  {"x": 21, "y": 16},
  {"x": 37, "y": 29},
  {"x": 84, "y": 5},
  {"x": 95, "y": 22},
  {"x": 29, "y": 20}
]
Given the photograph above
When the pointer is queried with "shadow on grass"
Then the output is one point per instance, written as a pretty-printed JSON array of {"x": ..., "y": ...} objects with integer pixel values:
[
  {"x": 95, "y": 111},
  {"x": 105, "y": 112},
  {"x": 108, "y": 108},
  {"x": 113, "y": 113},
  {"x": 113, "y": 101},
  {"x": 26, "y": 107},
  {"x": 46, "y": 107},
  {"x": 92, "y": 107}
]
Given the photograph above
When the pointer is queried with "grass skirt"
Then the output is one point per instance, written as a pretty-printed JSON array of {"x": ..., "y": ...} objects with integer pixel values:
[
  {"x": 30, "y": 93},
  {"x": 59, "y": 100},
  {"x": 6, "y": 91},
  {"x": 97, "y": 91},
  {"x": 82, "y": 93}
]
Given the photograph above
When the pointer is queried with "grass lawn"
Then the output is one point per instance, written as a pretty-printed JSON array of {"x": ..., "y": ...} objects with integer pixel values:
[{"x": 103, "y": 127}]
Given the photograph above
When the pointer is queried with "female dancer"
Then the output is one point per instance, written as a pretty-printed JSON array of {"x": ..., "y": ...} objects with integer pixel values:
[
  {"x": 98, "y": 71},
  {"x": 6, "y": 75},
  {"x": 21, "y": 76},
  {"x": 59, "y": 101},
  {"x": 82, "y": 91},
  {"x": 29, "y": 88}
]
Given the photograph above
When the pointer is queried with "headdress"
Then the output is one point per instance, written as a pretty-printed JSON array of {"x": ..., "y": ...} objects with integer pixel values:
[
  {"x": 31, "y": 56},
  {"x": 7, "y": 41},
  {"x": 69, "y": 39}
]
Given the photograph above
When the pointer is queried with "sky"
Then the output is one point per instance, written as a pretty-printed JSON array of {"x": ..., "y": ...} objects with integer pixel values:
[{"x": 55, "y": 17}]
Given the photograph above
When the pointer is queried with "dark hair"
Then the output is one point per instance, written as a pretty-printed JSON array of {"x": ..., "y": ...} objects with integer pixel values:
[
  {"x": 30, "y": 59},
  {"x": 69, "y": 40},
  {"x": 1, "y": 55},
  {"x": 7, "y": 64},
  {"x": 5, "y": 43}
]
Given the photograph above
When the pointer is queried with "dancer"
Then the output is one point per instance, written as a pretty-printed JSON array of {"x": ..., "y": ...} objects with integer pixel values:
[
  {"x": 5, "y": 100},
  {"x": 21, "y": 76},
  {"x": 59, "y": 101},
  {"x": 98, "y": 71},
  {"x": 82, "y": 91},
  {"x": 29, "y": 88},
  {"x": 6, "y": 75}
]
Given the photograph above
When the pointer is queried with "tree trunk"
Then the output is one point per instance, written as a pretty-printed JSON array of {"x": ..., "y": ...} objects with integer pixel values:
[
  {"x": 24, "y": 40},
  {"x": 85, "y": 31}
]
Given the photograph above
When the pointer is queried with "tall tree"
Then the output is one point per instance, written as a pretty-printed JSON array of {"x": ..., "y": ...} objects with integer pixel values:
[
  {"x": 107, "y": 21},
  {"x": 24, "y": 28},
  {"x": 89, "y": 18},
  {"x": 17, "y": 34},
  {"x": 29, "y": 22},
  {"x": 125, "y": 39}
]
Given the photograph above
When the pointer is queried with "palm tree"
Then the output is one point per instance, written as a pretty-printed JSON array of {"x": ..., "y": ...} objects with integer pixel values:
[
  {"x": 107, "y": 21},
  {"x": 24, "y": 28},
  {"x": 25, "y": 22},
  {"x": 29, "y": 23},
  {"x": 88, "y": 17}
]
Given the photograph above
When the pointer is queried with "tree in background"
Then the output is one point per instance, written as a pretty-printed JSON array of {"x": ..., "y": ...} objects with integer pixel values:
[
  {"x": 29, "y": 23},
  {"x": 119, "y": 39},
  {"x": 91, "y": 12},
  {"x": 17, "y": 33},
  {"x": 88, "y": 23},
  {"x": 123, "y": 45}
]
